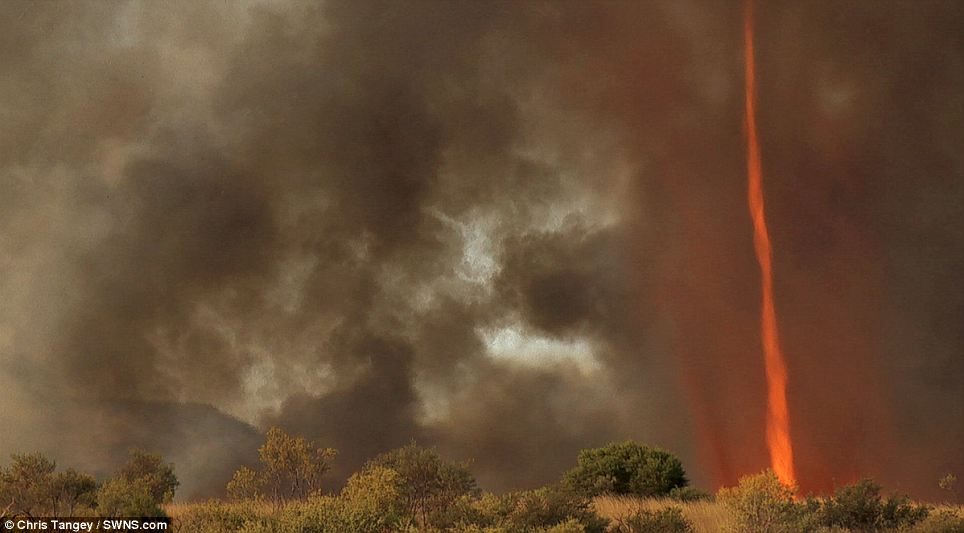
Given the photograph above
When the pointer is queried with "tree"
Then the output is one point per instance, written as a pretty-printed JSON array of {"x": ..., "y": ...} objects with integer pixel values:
[
  {"x": 626, "y": 468},
  {"x": 30, "y": 487},
  {"x": 430, "y": 485},
  {"x": 26, "y": 486},
  {"x": 245, "y": 485},
  {"x": 73, "y": 490},
  {"x": 379, "y": 489},
  {"x": 860, "y": 507},
  {"x": 763, "y": 504},
  {"x": 947, "y": 483},
  {"x": 120, "y": 497},
  {"x": 139, "y": 488},
  {"x": 372, "y": 502},
  {"x": 291, "y": 468},
  {"x": 150, "y": 470}
]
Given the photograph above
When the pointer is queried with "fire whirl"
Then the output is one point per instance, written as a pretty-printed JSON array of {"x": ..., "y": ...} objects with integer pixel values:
[{"x": 778, "y": 414}]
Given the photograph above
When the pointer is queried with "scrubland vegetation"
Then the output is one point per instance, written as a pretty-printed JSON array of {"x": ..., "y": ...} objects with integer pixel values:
[
  {"x": 620, "y": 488},
  {"x": 31, "y": 486}
]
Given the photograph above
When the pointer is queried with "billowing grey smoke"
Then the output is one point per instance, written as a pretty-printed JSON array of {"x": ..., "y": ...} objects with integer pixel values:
[{"x": 509, "y": 230}]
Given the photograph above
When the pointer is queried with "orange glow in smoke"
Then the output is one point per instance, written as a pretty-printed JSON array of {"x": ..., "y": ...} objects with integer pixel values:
[{"x": 778, "y": 414}]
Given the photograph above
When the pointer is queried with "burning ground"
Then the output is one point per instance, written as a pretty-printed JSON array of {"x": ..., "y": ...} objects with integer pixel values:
[{"x": 508, "y": 230}]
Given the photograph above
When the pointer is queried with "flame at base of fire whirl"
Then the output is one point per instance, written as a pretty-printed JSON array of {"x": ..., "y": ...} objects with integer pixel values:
[{"x": 778, "y": 413}]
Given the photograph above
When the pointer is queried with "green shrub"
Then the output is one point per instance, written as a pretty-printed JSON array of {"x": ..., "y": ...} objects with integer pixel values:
[
  {"x": 537, "y": 510},
  {"x": 666, "y": 520},
  {"x": 120, "y": 497},
  {"x": 489, "y": 511},
  {"x": 899, "y": 513},
  {"x": 141, "y": 486},
  {"x": 30, "y": 486},
  {"x": 460, "y": 511},
  {"x": 245, "y": 485},
  {"x": 74, "y": 493},
  {"x": 762, "y": 504},
  {"x": 376, "y": 491},
  {"x": 689, "y": 494},
  {"x": 626, "y": 468},
  {"x": 330, "y": 514},
  {"x": 856, "y": 506},
  {"x": 376, "y": 487},
  {"x": 26, "y": 486},
  {"x": 150, "y": 470},
  {"x": 429, "y": 487},
  {"x": 550, "y": 506},
  {"x": 860, "y": 507}
]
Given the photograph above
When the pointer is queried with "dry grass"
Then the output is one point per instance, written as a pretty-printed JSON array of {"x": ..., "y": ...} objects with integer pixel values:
[
  {"x": 712, "y": 517},
  {"x": 949, "y": 507},
  {"x": 706, "y": 516},
  {"x": 179, "y": 510},
  {"x": 936, "y": 523}
]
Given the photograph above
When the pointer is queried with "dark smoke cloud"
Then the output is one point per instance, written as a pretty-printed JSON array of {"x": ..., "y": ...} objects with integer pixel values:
[{"x": 509, "y": 230}]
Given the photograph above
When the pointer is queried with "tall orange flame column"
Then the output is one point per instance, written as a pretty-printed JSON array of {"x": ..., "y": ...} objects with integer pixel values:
[{"x": 778, "y": 413}]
